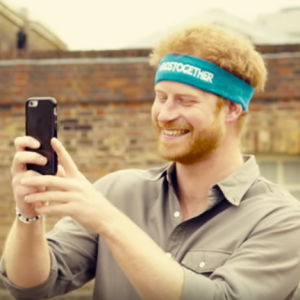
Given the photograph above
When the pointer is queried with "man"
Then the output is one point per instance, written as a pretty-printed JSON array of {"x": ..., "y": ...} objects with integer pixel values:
[
  {"x": 21, "y": 39},
  {"x": 206, "y": 226}
]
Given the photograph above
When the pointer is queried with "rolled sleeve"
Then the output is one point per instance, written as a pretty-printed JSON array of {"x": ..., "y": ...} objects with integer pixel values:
[
  {"x": 38, "y": 292},
  {"x": 196, "y": 287},
  {"x": 73, "y": 251}
]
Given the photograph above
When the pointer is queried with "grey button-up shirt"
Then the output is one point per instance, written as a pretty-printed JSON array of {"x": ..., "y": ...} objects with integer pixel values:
[{"x": 244, "y": 245}]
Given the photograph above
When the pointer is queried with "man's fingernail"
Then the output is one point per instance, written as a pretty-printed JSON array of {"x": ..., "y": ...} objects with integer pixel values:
[
  {"x": 36, "y": 144},
  {"x": 43, "y": 159}
]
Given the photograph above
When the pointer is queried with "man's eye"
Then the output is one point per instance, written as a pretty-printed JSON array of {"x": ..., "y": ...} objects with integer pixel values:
[
  {"x": 187, "y": 101},
  {"x": 161, "y": 97}
]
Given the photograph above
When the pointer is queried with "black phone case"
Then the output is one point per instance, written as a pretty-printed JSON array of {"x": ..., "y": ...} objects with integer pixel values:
[{"x": 41, "y": 124}]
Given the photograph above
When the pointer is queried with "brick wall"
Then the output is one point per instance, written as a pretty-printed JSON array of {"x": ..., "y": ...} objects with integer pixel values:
[{"x": 104, "y": 111}]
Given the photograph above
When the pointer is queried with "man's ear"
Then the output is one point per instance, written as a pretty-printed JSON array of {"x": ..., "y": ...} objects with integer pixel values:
[{"x": 233, "y": 111}]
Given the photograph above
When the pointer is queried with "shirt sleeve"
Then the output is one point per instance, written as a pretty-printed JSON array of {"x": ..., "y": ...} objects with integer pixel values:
[
  {"x": 73, "y": 251},
  {"x": 266, "y": 266}
]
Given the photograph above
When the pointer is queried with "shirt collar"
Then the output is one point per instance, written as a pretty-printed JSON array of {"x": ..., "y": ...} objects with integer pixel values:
[{"x": 233, "y": 187}]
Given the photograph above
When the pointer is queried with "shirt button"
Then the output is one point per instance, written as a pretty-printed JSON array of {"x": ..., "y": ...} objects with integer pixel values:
[
  {"x": 202, "y": 264},
  {"x": 176, "y": 214},
  {"x": 169, "y": 255}
]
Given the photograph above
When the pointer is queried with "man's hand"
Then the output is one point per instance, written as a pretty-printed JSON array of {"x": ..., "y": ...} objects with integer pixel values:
[
  {"x": 72, "y": 195},
  {"x": 19, "y": 172},
  {"x": 153, "y": 275}
]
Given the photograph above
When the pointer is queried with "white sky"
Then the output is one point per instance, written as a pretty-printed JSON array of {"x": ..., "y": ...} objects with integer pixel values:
[{"x": 108, "y": 24}]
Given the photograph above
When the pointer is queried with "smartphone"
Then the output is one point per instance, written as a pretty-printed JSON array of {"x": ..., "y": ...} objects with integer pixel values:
[{"x": 41, "y": 124}]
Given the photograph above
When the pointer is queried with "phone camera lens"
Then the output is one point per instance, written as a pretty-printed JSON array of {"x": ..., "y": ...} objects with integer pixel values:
[{"x": 33, "y": 103}]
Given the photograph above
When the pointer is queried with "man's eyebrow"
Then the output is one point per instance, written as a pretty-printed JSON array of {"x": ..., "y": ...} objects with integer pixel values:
[
  {"x": 158, "y": 90},
  {"x": 178, "y": 94}
]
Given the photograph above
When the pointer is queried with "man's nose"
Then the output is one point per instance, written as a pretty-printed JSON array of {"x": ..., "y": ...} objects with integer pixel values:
[{"x": 168, "y": 112}]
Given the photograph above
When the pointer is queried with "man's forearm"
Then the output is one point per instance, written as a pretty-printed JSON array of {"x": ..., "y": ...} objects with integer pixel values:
[
  {"x": 26, "y": 254},
  {"x": 150, "y": 271}
]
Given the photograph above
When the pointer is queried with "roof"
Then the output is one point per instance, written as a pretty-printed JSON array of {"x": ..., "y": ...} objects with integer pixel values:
[{"x": 257, "y": 33}]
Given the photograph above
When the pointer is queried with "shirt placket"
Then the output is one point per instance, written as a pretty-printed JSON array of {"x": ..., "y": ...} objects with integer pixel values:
[
  {"x": 176, "y": 232},
  {"x": 176, "y": 236}
]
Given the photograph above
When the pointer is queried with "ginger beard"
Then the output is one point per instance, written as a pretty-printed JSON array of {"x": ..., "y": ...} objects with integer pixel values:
[{"x": 191, "y": 144}]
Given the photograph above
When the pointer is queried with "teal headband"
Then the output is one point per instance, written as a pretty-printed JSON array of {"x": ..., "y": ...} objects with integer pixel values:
[{"x": 205, "y": 76}]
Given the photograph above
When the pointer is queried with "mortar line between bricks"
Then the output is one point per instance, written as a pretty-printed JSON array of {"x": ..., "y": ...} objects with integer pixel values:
[
  {"x": 281, "y": 55},
  {"x": 110, "y": 60},
  {"x": 74, "y": 61}
]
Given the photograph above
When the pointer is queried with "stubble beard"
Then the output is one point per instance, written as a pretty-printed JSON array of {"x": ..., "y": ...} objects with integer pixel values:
[{"x": 192, "y": 147}]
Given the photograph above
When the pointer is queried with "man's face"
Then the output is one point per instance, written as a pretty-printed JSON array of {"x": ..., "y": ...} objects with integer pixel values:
[{"x": 187, "y": 122}]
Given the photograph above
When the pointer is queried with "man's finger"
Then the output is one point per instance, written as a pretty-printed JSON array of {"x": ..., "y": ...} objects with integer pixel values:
[
  {"x": 50, "y": 182},
  {"x": 23, "y": 142},
  {"x": 22, "y": 158},
  {"x": 55, "y": 209},
  {"x": 64, "y": 158},
  {"x": 61, "y": 172},
  {"x": 51, "y": 197}
]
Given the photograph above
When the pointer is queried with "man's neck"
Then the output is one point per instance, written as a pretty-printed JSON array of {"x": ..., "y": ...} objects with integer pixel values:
[{"x": 194, "y": 180}]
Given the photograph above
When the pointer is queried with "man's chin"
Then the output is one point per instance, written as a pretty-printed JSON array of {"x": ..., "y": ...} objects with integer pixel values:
[
  {"x": 184, "y": 158},
  {"x": 174, "y": 157}
]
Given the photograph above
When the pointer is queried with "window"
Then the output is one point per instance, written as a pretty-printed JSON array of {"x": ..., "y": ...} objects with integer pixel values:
[{"x": 282, "y": 170}]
